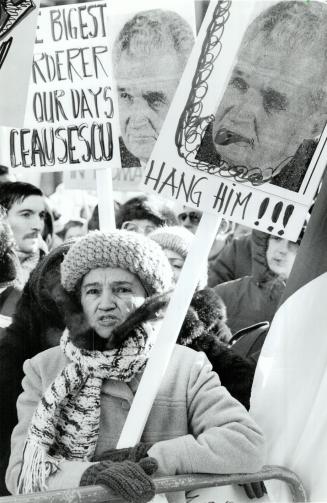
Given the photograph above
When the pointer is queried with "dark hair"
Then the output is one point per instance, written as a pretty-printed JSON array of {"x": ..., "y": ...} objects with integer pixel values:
[
  {"x": 11, "y": 192},
  {"x": 146, "y": 207}
]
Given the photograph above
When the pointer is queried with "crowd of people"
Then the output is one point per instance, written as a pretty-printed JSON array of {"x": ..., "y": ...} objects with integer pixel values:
[{"x": 80, "y": 311}]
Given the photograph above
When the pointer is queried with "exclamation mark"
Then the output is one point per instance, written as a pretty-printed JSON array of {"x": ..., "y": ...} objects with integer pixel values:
[
  {"x": 275, "y": 214},
  {"x": 288, "y": 213},
  {"x": 262, "y": 209}
]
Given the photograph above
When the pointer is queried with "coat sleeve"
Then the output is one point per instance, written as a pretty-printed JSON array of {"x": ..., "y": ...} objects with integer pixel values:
[
  {"x": 70, "y": 472},
  {"x": 222, "y": 438}
]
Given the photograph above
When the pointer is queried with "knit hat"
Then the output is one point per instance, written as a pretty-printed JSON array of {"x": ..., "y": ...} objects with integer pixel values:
[
  {"x": 179, "y": 240},
  {"x": 9, "y": 263},
  {"x": 146, "y": 208},
  {"x": 119, "y": 248}
]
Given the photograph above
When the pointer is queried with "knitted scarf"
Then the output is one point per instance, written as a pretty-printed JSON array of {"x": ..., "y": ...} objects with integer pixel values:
[{"x": 65, "y": 424}]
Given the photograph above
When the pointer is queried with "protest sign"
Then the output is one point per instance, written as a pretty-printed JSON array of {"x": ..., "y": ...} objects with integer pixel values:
[
  {"x": 151, "y": 44},
  {"x": 245, "y": 136},
  {"x": 18, "y": 19},
  {"x": 125, "y": 180},
  {"x": 70, "y": 114}
]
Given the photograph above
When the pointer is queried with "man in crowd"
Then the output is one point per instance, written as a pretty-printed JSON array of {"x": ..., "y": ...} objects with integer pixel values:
[
  {"x": 149, "y": 57},
  {"x": 254, "y": 298},
  {"x": 275, "y": 105},
  {"x": 25, "y": 208}
]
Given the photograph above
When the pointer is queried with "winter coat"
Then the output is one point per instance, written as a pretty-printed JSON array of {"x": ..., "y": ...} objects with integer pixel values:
[
  {"x": 8, "y": 300},
  {"x": 234, "y": 261},
  {"x": 194, "y": 424},
  {"x": 38, "y": 324},
  {"x": 255, "y": 298}
]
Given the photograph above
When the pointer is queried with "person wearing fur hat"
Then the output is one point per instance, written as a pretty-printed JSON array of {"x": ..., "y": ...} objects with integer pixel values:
[
  {"x": 144, "y": 214},
  {"x": 76, "y": 396}
]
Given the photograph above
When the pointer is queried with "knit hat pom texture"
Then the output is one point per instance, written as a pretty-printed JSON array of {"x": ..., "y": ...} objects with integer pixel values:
[{"x": 123, "y": 249}]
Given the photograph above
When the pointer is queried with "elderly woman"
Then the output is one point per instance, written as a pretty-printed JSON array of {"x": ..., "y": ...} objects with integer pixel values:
[{"x": 76, "y": 397}]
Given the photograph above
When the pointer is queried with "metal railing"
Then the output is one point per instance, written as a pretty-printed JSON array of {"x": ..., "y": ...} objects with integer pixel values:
[{"x": 100, "y": 494}]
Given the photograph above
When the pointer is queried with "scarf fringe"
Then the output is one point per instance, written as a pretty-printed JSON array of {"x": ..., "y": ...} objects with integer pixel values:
[{"x": 36, "y": 468}]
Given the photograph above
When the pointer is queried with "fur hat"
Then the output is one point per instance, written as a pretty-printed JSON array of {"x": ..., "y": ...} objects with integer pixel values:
[
  {"x": 9, "y": 263},
  {"x": 179, "y": 240},
  {"x": 119, "y": 248},
  {"x": 145, "y": 208}
]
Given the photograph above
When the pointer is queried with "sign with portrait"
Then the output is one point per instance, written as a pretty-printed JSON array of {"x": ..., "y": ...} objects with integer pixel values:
[
  {"x": 70, "y": 115},
  {"x": 18, "y": 19},
  {"x": 152, "y": 40},
  {"x": 245, "y": 135}
]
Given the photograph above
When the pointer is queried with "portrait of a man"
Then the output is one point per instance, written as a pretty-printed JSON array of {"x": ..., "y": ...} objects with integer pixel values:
[
  {"x": 275, "y": 105},
  {"x": 149, "y": 57}
]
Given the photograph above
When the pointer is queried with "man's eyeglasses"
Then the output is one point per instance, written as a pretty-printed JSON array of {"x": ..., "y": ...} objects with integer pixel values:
[{"x": 193, "y": 216}]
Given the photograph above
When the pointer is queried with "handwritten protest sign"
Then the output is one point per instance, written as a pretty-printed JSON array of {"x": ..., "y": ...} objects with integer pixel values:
[
  {"x": 245, "y": 135},
  {"x": 18, "y": 19},
  {"x": 150, "y": 46},
  {"x": 70, "y": 115}
]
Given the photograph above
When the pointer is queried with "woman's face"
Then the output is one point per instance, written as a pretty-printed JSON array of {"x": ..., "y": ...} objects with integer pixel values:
[
  {"x": 108, "y": 296},
  {"x": 176, "y": 261}
]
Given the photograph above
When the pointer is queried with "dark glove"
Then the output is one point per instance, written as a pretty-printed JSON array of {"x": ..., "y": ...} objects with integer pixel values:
[
  {"x": 131, "y": 481},
  {"x": 255, "y": 490},
  {"x": 134, "y": 454}
]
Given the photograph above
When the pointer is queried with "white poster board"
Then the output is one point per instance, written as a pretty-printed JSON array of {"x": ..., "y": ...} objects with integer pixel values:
[
  {"x": 245, "y": 135},
  {"x": 70, "y": 114},
  {"x": 18, "y": 19},
  {"x": 147, "y": 68}
]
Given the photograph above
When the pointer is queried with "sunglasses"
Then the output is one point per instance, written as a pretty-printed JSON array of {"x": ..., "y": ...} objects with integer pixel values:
[{"x": 193, "y": 216}]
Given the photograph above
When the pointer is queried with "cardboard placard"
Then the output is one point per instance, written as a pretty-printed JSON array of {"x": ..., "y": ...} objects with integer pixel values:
[
  {"x": 151, "y": 43},
  {"x": 70, "y": 114},
  {"x": 245, "y": 135},
  {"x": 18, "y": 19}
]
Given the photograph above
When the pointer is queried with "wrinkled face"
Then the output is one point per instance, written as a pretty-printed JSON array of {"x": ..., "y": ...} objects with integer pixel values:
[
  {"x": 176, "y": 261},
  {"x": 281, "y": 255},
  {"x": 146, "y": 86},
  {"x": 268, "y": 108},
  {"x": 143, "y": 226},
  {"x": 108, "y": 296},
  {"x": 26, "y": 219}
]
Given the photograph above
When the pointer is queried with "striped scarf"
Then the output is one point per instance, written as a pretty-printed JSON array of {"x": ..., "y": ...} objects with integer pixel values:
[{"x": 65, "y": 424}]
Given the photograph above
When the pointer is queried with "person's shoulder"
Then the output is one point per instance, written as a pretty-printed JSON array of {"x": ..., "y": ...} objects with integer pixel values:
[
  {"x": 187, "y": 356},
  {"x": 232, "y": 285},
  {"x": 48, "y": 363}
]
